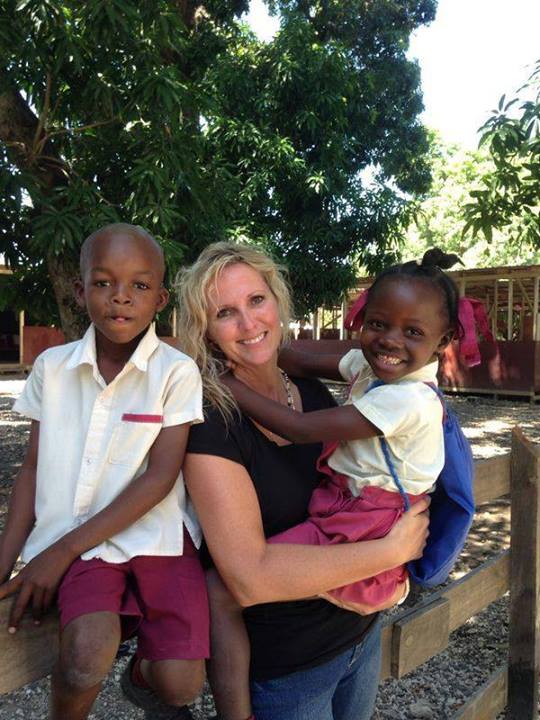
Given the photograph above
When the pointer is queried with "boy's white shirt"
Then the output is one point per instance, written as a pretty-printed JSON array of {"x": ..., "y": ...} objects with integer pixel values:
[
  {"x": 408, "y": 413},
  {"x": 88, "y": 454}
]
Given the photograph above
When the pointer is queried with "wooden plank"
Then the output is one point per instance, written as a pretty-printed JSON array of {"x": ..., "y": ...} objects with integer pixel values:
[
  {"x": 419, "y": 635},
  {"x": 491, "y": 478},
  {"x": 489, "y": 700},
  {"x": 524, "y": 645},
  {"x": 465, "y": 597},
  {"x": 476, "y": 590},
  {"x": 30, "y": 653}
]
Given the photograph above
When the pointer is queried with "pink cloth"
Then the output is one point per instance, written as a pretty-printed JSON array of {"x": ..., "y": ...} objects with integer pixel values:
[{"x": 337, "y": 516}]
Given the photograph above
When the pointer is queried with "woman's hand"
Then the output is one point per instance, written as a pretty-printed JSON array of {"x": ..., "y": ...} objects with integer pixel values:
[
  {"x": 36, "y": 584},
  {"x": 409, "y": 535}
]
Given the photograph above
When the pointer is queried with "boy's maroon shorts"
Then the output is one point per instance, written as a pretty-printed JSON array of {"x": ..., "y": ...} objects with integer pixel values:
[{"x": 161, "y": 599}]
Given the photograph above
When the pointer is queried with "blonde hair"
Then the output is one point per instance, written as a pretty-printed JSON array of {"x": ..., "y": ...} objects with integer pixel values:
[{"x": 192, "y": 286}]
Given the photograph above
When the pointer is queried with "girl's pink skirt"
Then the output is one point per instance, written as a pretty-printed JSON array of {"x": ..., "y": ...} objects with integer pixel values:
[{"x": 337, "y": 516}]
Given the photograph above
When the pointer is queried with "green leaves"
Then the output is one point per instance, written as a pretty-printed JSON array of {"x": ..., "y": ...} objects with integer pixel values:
[
  {"x": 174, "y": 116},
  {"x": 509, "y": 198}
]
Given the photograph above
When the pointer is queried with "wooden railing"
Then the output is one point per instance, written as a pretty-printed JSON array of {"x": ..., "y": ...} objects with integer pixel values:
[{"x": 415, "y": 635}]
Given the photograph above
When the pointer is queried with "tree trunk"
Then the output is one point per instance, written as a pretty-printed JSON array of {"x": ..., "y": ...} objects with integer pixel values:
[{"x": 63, "y": 271}]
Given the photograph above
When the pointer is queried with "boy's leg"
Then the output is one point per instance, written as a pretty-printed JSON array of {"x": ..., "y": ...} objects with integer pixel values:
[
  {"x": 228, "y": 667},
  {"x": 88, "y": 646},
  {"x": 173, "y": 637}
]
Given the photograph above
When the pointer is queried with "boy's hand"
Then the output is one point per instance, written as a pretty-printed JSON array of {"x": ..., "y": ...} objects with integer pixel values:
[{"x": 36, "y": 584}]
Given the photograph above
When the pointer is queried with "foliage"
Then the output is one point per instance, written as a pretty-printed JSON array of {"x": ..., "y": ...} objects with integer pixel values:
[
  {"x": 509, "y": 195},
  {"x": 174, "y": 116},
  {"x": 439, "y": 215}
]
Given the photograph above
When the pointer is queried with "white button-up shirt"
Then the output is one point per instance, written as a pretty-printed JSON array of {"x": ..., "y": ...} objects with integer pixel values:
[{"x": 94, "y": 439}]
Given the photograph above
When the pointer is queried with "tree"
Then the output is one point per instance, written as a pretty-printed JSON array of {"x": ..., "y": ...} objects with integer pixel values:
[
  {"x": 439, "y": 220},
  {"x": 174, "y": 116},
  {"x": 509, "y": 196}
]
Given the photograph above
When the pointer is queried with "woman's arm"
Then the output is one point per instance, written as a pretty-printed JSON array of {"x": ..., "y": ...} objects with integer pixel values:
[
  {"x": 337, "y": 423},
  {"x": 256, "y": 572}
]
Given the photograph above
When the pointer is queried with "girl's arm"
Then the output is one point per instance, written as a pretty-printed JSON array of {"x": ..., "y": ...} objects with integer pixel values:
[
  {"x": 37, "y": 582},
  {"x": 302, "y": 364},
  {"x": 20, "y": 518},
  {"x": 338, "y": 423},
  {"x": 256, "y": 572}
]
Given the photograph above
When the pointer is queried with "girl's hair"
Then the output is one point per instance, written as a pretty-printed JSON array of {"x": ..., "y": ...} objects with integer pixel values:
[
  {"x": 430, "y": 269},
  {"x": 193, "y": 286}
]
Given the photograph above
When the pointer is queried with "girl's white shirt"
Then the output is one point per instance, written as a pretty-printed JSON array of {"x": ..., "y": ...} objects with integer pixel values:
[{"x": 408, "y": 413}]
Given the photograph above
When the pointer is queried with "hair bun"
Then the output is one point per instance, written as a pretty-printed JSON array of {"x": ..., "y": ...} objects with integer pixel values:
[{"x": 435, "y": 257}]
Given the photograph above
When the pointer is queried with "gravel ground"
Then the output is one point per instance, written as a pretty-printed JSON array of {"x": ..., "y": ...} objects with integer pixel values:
[{"x": 433, "y": 692}]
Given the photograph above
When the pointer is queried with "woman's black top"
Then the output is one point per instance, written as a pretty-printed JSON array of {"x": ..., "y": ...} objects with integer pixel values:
[{"x": 287, "y": 636}]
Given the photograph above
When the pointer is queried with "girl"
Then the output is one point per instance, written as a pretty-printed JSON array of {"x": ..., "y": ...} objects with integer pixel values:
[{"x": 409, "y": 317}]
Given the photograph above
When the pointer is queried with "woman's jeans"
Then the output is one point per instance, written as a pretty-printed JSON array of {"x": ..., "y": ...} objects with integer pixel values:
[{"x": 342, "y": 689}]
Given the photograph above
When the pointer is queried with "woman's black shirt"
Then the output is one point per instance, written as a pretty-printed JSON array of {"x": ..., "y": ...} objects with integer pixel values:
[{"x": 287, "y": 636}]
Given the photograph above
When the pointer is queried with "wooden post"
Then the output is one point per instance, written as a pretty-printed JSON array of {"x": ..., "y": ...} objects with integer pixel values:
[
  {"x": 536, "y": 334},
  {"x": 510, "y": 310},
  {"x": 316, "y": 325},
  {"x": 342, "y": 331},
  {"x": 21, "y": 337},
  {"x": 524, "y": 650},
  {"x": 495, "y": 310}
]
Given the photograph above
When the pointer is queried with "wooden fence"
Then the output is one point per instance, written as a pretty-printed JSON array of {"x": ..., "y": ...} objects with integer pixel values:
[{"x": 415, "y": 635}]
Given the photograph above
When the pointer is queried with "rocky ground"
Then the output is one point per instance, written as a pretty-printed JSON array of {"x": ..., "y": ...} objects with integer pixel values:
[{"x": 437, "y": 689}]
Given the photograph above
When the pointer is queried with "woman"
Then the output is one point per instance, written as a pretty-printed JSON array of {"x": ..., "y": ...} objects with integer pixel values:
[{"x": 309, "y": 658}]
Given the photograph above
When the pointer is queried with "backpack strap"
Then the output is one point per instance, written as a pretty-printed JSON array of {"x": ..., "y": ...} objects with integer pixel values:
[
  {"x": 386, "y": 449},
  {"x": 386, "y": 452}
]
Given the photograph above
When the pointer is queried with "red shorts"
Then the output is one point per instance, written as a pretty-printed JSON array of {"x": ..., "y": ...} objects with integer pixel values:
[{"x": 161, "y": 599}]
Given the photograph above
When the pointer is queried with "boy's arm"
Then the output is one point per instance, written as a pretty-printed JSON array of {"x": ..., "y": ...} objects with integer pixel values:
[
  {"x": 338, "y": 423},
  {"x": 302, "y": 364},
  {"x": 20, "y": 517},
  {"x": 38, "y": 581}
]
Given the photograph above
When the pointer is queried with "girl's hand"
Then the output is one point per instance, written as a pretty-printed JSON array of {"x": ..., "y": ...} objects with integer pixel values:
[
  {"x": 409, "y": 535},
  {"x": 36, "y": 584}
]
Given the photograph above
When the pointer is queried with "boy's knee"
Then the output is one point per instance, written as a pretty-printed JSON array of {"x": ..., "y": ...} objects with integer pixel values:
[
  {"x": 178, "y": 682},
  {"x": 86, "y": 656}
]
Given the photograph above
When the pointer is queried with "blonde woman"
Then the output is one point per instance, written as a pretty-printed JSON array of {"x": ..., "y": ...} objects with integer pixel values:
[{"x": 309, "y": 659}]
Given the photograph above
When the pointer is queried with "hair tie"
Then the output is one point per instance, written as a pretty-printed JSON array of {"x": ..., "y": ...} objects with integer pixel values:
[{"x": 355, "y": 316}]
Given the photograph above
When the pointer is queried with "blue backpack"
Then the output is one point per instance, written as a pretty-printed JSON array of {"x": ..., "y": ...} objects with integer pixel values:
[{"x": 452, "y": 502}]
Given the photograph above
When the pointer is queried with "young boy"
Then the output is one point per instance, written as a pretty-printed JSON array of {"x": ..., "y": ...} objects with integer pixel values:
[{"x": 99, "y": 507}]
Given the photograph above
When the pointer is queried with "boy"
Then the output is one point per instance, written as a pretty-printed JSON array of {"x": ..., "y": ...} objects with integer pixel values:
[{"x": 99, "y": 505}]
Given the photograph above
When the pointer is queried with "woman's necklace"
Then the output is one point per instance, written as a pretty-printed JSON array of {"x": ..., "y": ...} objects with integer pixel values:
[{"x": 288, "y": 391}]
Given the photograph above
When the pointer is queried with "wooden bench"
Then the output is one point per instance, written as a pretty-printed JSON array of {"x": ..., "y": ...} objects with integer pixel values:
[{"x": 417, "y": 634}]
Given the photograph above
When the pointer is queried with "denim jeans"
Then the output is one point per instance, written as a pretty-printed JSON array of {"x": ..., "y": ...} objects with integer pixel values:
[{"x": 343, "y": 688}]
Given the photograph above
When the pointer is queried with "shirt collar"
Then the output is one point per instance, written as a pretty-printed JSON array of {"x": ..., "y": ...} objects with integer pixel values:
[
  {"x": 428, "y": 373},
  {"x": 85, "y": 350}
]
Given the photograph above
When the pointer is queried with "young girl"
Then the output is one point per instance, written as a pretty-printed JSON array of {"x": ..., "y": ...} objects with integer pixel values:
[{"x": 409, "y": 317}]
